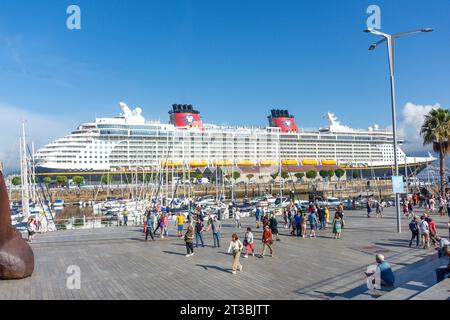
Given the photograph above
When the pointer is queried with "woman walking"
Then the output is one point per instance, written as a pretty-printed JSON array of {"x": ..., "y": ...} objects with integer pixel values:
[
  {"x": 235, "y": 247},
  {"x": 267, "y": 239},
  {"x": 337, "y": 226},
  {"x": 303, "y": 225},
  {"x": 189, "y": 240},
  {"x": 31, "y": 228},
  {"x": 248, "y": 242}
]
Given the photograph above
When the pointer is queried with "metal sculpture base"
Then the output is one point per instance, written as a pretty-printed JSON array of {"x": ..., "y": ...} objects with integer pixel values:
[{"x": 16, "y": 256}]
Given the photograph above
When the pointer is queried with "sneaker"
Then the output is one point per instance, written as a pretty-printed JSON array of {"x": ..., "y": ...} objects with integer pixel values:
[
  {"x": 192, "y": 254},
  {"x": 240, "y": 267},
  {"x": 253, "y": 254},
  {"x": 233, "y": 272},
  {"x": 271, "y": 255},
  {"x": 245, "y": 256},
  {"x": 188, "y": 255}
]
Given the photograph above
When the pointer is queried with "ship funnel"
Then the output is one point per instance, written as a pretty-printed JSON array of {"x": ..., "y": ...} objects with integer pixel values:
[
  {"x": 283, "y": 120},
  {"x": 184, "y": 115}
]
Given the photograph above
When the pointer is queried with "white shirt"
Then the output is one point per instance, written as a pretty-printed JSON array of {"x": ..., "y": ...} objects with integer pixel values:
[
  {"x": 237, "y": 215},
  {"x": 423, "y": 226}
]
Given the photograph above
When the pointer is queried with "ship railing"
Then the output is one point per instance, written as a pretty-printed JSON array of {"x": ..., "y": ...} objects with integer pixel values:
[{"x": 102, "y": 221}]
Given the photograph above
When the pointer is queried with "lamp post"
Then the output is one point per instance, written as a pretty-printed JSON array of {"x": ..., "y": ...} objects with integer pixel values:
[{"x": 390, "y": 39}]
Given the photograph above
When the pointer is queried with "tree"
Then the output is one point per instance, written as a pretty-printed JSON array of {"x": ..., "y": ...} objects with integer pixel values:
[
  {"x": 236, "y": 175},
  {"x": 78, "y": 180},
  {"x": 330, "y": 174},
  {"x": 16, "y": 181},
  {"x": 339, "y": 173},
  {"x": 435, "y": 130},
  {"x": 47, "y": 180},
  {"x": 228, "y": 176},
  {"x": 299, "y": 175},
  {"x": 284, "y": 175},
  {"x": 61, "y": 180},
  {"x": 198, "y": 176},
  {"x": 323, "y": 174},
  {"x": 106, "y": 179},
  {"x": 356, "y": 175},
  {"x": 274, "y": 175},
  {"x": 250, "y": 176},
  {"x": 311, "y": 174}
]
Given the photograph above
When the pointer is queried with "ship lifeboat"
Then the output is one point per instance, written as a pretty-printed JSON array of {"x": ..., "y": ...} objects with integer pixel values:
[
  {"x": 290, "y": 162},
  {"x": 171, "y": 163},
  {"x": 309, "y": 162},
  {"x": 268, "y": 163},
  {"x": 245, "y": 163},
  {"x": 222, "y": 163},
  {"x": 195, "y": 163},
  {"x": 329, "y": 162}
]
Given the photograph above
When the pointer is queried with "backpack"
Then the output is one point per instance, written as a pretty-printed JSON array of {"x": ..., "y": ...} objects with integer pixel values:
[{"x": 413, "y": 226}]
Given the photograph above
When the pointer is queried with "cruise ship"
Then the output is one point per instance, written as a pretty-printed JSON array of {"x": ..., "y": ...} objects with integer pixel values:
[{"x": 129, "y": 143}]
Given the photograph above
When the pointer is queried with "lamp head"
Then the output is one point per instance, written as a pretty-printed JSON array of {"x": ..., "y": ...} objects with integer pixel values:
[{"x": 426, "y": 30}]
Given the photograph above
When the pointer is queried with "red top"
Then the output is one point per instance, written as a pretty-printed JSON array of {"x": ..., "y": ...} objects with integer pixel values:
[
  {"x": 432, "y": 226},
  {"x": 267, "y": 236}
]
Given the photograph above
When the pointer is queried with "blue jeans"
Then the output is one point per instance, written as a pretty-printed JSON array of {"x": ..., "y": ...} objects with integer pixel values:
[
  {"x": 216, "y": 238},
  {"x": 322, "y": 225},
  {"x": 198, "y": 236}
]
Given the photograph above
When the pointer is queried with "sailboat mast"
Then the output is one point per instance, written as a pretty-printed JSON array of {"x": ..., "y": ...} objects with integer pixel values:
[{"x": 25, "y": 194}]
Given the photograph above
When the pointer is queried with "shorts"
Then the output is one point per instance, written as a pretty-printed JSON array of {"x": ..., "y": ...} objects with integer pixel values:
[
  {"x": 313, "y": 227},
  {"x": 180, "y": 227},
  {"x": 274, "y": 231},
  {"x": 258, "y": 218}
]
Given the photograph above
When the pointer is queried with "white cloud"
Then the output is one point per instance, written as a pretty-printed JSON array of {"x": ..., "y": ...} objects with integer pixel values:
[
  {"x": 410, "y": 120},
  {"x": 40, "y": 128}
]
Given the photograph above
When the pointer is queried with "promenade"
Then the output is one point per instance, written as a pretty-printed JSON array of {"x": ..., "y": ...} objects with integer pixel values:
[{"x": 116, "y": 263}]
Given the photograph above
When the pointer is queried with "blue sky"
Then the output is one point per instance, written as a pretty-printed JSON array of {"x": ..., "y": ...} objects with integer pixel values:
[{"x": 233, "y": 60}]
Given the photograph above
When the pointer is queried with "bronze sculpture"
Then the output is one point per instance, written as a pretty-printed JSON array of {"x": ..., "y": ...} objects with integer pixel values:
[{"x": 16, "y": 256}]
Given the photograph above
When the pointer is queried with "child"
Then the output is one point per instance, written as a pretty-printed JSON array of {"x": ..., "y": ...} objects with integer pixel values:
[
  {"x": 248, "y": 242},
  {"x": 189, "y": 240}
]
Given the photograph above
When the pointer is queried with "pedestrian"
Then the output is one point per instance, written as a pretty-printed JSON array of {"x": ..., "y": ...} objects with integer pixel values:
[
  {"x": 31, "y": 228},
  {"x": 125, "y": 217},
  {"x": 327, "y": 215},
  {"x": 273, "y": 224},
  {"x": 290, "y": 216},
  {"x": 235, "y": 247},
  {"x": 312, "y": 218},
  {"x": 379, "y": 210},
  {"x": 303, "y": 225},
  {"x": 433, "y": 231},
  {"x": 424, "y": 232},
  {"x": 267, "y": 240},
  {"x": 199, "y": 227},
  {"x": 337, "y": 226},
  {"x": 369, "y": 207},
  {"x": 189, "y": 241},
  {"x": 258, "y": 214},
  {"x": 249, "y": 242},
  {"x": 297, "y": 226},
  {"x": 165, "y": 224},
  {"x": 237, "y": 218},
  {"x": 215, "y": 226},
  {"x": 285, "y": 218},
  {"x": 322, "y": 221},
  {"x": 414, "y": 228},
  {"x": 180, "y": 224},
  {"x": 149, "y": 228}
]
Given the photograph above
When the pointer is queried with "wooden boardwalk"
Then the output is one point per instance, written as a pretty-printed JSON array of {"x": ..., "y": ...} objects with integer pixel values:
[{"x": 116, "y": 263}]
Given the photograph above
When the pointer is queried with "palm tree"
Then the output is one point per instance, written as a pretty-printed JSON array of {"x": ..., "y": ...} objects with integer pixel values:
[{"x": 435, "y": 130}]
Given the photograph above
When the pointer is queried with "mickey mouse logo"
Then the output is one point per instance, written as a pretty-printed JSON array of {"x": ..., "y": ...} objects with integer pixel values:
[
  {"x": 287, "y": 123},
  {"x": 188, "y": 119}
]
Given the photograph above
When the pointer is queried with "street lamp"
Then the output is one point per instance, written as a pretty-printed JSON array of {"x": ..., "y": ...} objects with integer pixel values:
[{"x": 390, "y": 38}]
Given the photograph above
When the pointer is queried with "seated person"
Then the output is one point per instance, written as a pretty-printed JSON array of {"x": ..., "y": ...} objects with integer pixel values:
[{"x": 384, "y": 270}]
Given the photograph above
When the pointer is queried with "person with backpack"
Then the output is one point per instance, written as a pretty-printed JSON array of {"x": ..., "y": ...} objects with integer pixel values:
[
  {"x": 248, "y": 242},
  {"x": 235, "y": 247},
  {"x": 414, "y": 228},
  {"x": 424, "y": 230},
  {"x": 189, "y": 241},
  {"x": 296, "y": 225},
  {"x": 273, "y": 224}
]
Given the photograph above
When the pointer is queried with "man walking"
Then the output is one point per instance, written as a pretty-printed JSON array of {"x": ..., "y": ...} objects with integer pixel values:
[
  {"x": 414, "y": 227},
  {"x": 322, "y": 219},
  {"x": 215, "y": 226},
  {"x": 198, "y": 233}
]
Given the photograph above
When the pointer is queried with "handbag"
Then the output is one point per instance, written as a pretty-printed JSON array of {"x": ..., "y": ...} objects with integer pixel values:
[{"x": 245, "y": 243}]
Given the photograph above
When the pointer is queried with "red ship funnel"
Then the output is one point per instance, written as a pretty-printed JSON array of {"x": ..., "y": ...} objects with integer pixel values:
[
  {"x": 283, "y": 120},
  {"x": 183, "y": 115}
]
